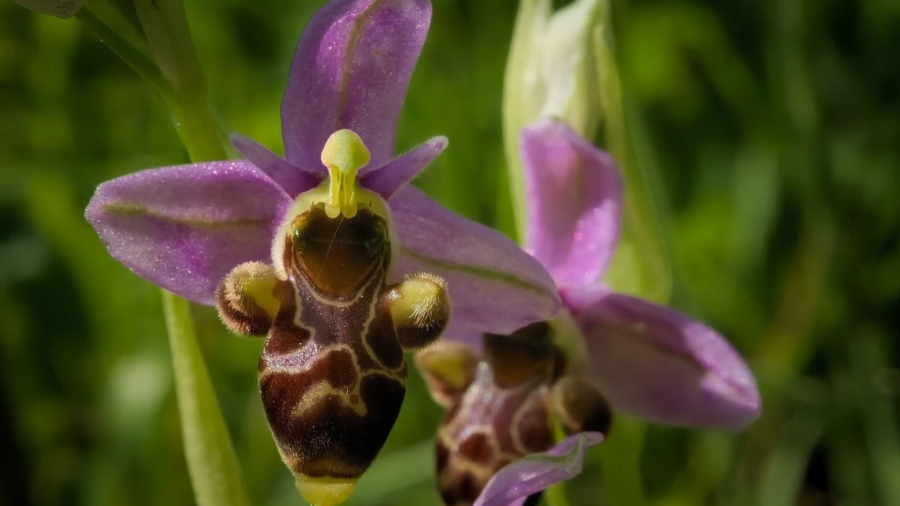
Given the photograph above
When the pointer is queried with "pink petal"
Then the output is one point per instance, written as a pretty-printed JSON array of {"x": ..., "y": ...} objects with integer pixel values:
[
  {"x": 658, "y": 364},
  {"x": 183, "y": 228},
  {"x": 388, "y": 179},
  {"x": 292, "y": 180},
  {"x": 494, "y": 285},
  {"x": 574, "y": 201},
  {"x": 351, "y": 70},
  {"x": 534, "y": 473}
]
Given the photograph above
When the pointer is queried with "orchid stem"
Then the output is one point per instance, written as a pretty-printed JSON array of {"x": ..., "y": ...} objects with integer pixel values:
[
  {"x": 130, "y": 54},
  {"x": 216, "y": 475},
  {"x": 170, "y": 65},
  {"x": 212, "y": 462},
  {"x": 620, "y": 459},
  {"x": 556, "y": 494}
]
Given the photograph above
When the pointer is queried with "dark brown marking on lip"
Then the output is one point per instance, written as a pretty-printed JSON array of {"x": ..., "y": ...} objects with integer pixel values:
[
  {"x": 441, "y": 455},
  {"x": 463, "y": 488},
  {"x": 332, "y": 372},
  {"x": 337, "y": 254},
  {"x": 284, "y": 336},
  {"x": 329, "y": 437},
  {"x": 477, "y": 448},
  {"x": 382, "y": 339}
]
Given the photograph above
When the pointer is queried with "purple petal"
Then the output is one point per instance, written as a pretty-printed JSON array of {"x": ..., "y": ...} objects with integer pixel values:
[
  {"x": 573, "y": 193},
  {"x": 456, "y": 331},
  {"x": 494, "y": 285},
  {"x": 292, "y": 180},
  {"x": 388, "y": 179},
  {"x": 351, "y": 70},
  {"x": 183, "y": 228},
  {"x": 538, "y": 471},
  {"x": 658, "y": 364}
]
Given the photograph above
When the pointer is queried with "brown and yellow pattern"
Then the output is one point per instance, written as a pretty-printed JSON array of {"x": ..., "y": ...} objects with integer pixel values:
[
  {"x": 500, "y": 407},
  {"x": 332, "y": 374}
]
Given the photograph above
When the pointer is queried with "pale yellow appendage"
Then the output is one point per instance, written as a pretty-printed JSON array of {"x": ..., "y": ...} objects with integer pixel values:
[
  {"x": 450, "y": 361},
  {"x": 325, "y": 491},
  {"x": 261, "y": 291},
  {"x": 417, "y": 298},
  {"x": 344, "y": 154}
]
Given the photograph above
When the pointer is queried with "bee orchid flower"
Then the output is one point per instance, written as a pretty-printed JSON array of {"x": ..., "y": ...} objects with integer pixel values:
[
  {"x": 324, "y": 251},
  {"x": 605, "y": 351}
]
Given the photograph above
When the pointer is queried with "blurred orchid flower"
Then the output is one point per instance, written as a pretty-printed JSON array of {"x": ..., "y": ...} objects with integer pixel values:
[
  {"x": 552, "y": 72},
  {"x": 561, "y": 65},
  {"x": 644, "y": 359},
  {"x": 305, "y": 249},
  {"x": 648, "y": 360}
]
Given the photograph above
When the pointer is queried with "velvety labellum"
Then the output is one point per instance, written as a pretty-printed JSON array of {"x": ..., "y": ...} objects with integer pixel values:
[{"x": 332, "y": 373}]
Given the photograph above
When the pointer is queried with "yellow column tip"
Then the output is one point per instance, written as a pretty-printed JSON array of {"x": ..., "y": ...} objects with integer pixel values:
[
  {"x": 345, "y": 151},
  {"x": 325, "y": 491}
]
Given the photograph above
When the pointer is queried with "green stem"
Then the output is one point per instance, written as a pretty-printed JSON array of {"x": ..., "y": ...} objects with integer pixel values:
[
  {"x": 620, "y": 458},
  {"x": 175, "y": 72},
  {"x": 168, "y": 36},
  {"x": 212, "y": 463},
  {"x": 556, "y": 494},
  {"x": 131, "y": 55},
  {"x": 195, "y": 126},
  {"x": 215, "y": 472}
]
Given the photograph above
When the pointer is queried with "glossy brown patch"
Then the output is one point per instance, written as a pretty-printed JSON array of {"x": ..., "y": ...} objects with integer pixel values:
[
  {"x": 519, "y": 356},
  {"x": 336, "y": 254}
]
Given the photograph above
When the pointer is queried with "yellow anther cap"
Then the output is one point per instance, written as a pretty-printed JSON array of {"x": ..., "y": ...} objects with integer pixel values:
[
  {"x": 325, "y": 491},
  {"x": 345, "y": 151},
  {"x": 344, "y": 154}
]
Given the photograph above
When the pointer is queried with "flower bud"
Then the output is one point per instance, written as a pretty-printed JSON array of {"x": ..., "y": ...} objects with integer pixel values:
[{"x": 552, "y": 72}]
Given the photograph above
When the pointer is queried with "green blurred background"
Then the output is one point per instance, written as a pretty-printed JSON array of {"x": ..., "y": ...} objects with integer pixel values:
[{"x": 771, "y": 130}]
